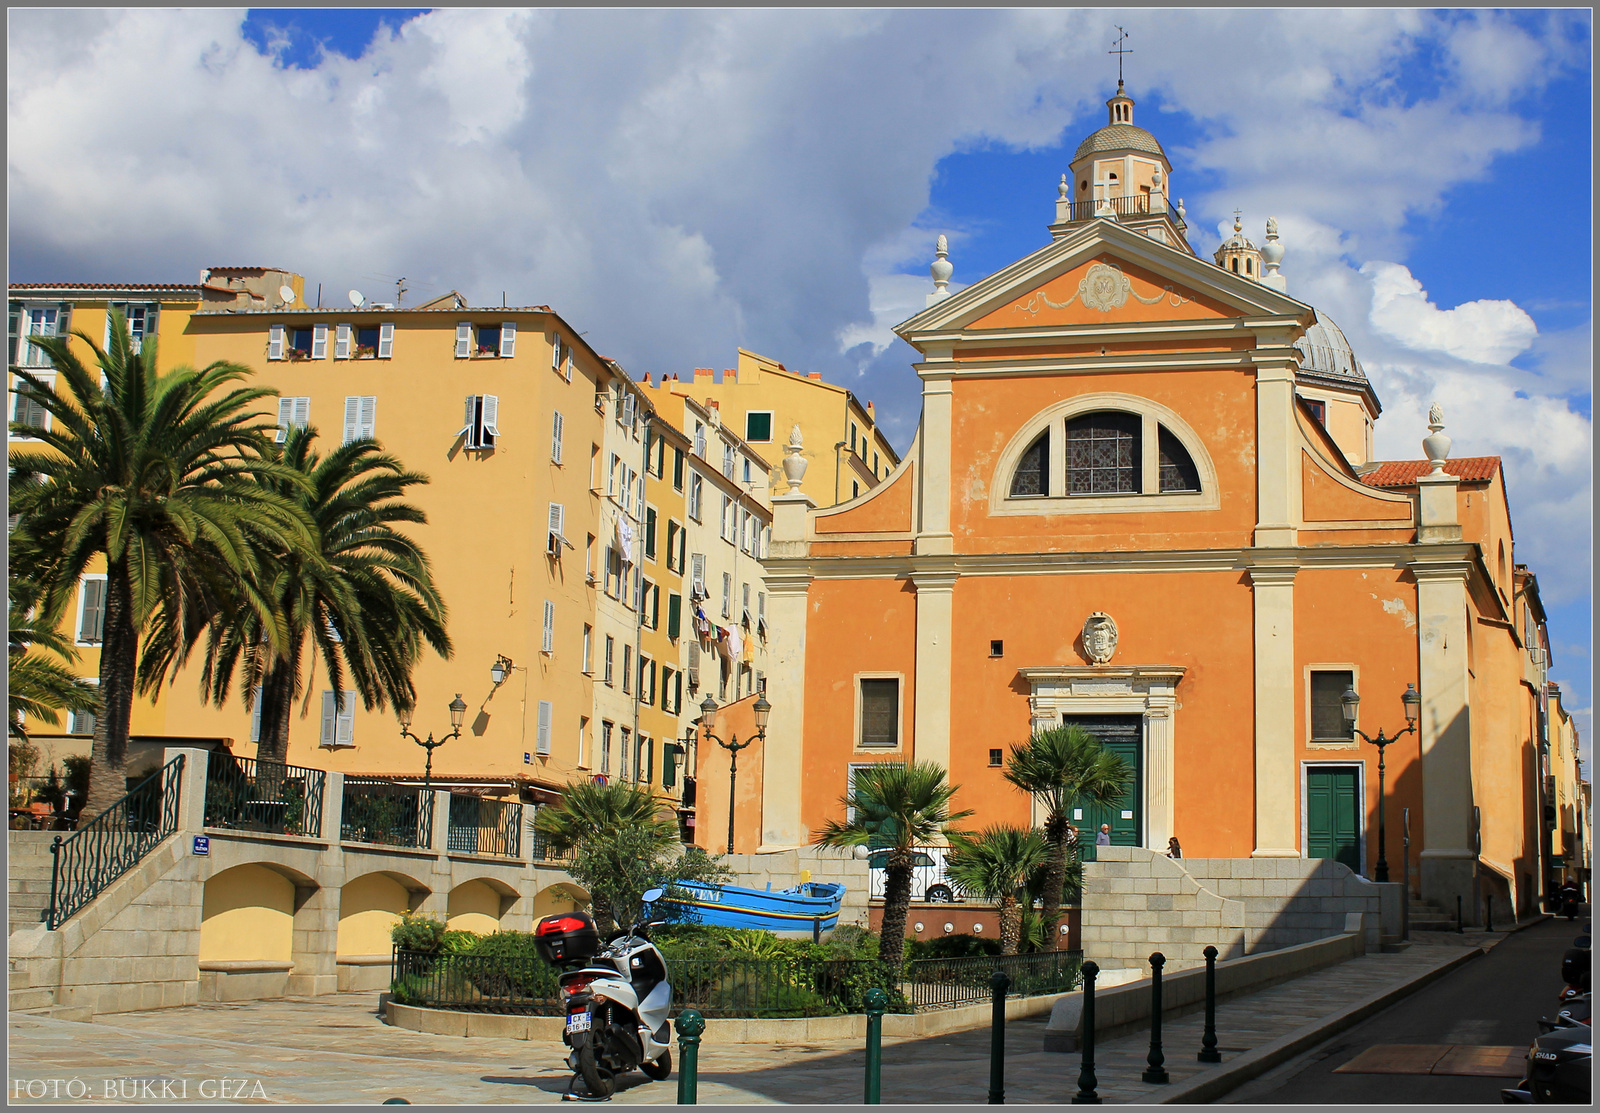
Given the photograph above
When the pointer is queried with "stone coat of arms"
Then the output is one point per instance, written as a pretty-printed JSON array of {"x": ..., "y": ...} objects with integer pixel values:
[{"x": 1099, "y": 638}]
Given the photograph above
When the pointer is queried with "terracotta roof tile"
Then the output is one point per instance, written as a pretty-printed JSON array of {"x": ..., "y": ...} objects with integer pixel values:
[
  {"x": 1405, "y": 473},
  {"x": 102, "y": 286}
]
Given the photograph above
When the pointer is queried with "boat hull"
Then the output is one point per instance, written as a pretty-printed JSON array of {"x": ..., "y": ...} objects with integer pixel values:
[{"x": 788, "y": 910}]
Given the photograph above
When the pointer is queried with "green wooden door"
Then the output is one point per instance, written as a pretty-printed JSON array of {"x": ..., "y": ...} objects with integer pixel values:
[
  {"x": 1333, "y": 816},
  {"x": 1123, "y": 735}
]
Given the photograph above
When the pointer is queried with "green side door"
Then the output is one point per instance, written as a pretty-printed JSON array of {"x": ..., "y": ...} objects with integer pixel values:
[
  {"x": 1123, "y": 735},
  {"x": 1333, "y": 816}
]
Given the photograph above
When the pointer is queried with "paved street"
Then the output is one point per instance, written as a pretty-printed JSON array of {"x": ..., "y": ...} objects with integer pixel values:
[
  {"x": 335, "y": 1050},
  {"x": 1493, "y": 1001}
]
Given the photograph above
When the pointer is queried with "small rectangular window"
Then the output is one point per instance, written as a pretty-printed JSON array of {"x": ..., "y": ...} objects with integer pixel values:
[
  {"x": 549, "y": 645},
  {"x": 605, "y": 744},
  {"x": 482, "y": 421},
  {"x": 92, "y": 611},
  {"x": 695, "y": 492},
  {"x": 1327, "y": 712},
  {"x": 650, "y": 533},
  {"x": 997, "y": 648},
  {"x": 338, "y": 718},
  {"x": 627, "y": 668},
  {"x": 996, "y": 757},
  {"x": 545, "y": 715},
  {"x": 588, "y": 649},
  {"x": 488, "y": 341},
  {"x": 360, "y": 417},
  {"x": 555, "y": 438},
  {"x": 292, "y": 412},
  {"x": 727, "y": 595},
  {"x": 611, "y": 646},
  {"x": 880, "y": 712},
  {"x": 758, "y": 426},
  {"x": 677, "y": 468}
]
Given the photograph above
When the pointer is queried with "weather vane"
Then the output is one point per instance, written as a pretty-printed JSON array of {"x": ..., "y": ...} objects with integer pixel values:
[{"x": 1120, "y": 51}]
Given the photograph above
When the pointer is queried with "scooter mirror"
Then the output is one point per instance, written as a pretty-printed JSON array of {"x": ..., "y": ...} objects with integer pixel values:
[
  {"x": 650, "y": 896},
  {"x": 1583, "y": 941}
]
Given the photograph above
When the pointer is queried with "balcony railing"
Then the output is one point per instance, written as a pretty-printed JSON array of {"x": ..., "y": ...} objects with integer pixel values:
[
  {"x": 480, "y": 826},
  {"x": 1136, "y": 205},
  {"x": 249, "y": 795},
  {"x": 387, "y": 814}
]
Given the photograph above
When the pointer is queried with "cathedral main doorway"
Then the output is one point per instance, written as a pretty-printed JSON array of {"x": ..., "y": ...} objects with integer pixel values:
[{"x": 1123, "y": 735}]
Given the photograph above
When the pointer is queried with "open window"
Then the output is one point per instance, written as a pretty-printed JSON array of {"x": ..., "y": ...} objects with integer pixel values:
[{"x": 482, "y": 421}]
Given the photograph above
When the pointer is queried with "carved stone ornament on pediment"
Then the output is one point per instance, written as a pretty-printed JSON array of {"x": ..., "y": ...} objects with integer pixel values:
[
  {"x": 1099, "y": 638},
  {"x": 1105, "y": 287}
]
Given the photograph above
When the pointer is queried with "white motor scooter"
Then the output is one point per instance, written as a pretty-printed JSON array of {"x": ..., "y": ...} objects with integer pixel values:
[{"x": 616, "y": 1007}]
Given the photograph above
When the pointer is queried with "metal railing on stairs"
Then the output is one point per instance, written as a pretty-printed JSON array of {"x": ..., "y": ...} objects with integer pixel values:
[{"x": 104, "y": 848}]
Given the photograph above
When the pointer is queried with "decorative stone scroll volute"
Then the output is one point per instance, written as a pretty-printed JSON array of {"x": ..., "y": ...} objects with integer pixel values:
[{"x": 794, "y": 460}]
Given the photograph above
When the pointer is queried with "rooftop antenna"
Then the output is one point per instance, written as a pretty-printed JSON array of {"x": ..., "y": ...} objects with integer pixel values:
[
  {"x": 286, "y": 293},
  {"x": 356, "y": 299},
  {"x": 1119, "y": 52},
  {"x": 399, "y": 290}
]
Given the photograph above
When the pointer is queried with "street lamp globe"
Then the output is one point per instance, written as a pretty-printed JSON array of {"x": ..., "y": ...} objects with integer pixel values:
[
  {"x": 708, "y": 711},
  {"x": 762, "y": 709},
  {"x": 458, "y": 711},
  {"x": 1349, "y": 703},
  {"x": 497, "y": 671},
  {"x": 1412, "y": 701}
]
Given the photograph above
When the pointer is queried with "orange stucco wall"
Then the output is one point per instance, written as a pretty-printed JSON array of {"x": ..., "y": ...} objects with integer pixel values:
[
  {"x": 1030, "y": 309},
  {"x": 886, "y": 510},
  {"x": 1325, "y": 499},
  {"x": 734, "y": 721}
]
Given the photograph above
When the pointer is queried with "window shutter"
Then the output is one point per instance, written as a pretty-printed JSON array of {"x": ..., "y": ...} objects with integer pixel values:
[
  {"x": 285, "y": 416},
  {"x": 655, "y": 607},
  {"x": 471, "y": 421},
  {"x": 508, "y": 338},
  {"x": 319, "y": 341},
  {"x": 151, "y": 319},
  {"x": 544, "y": 727},
  {"x": 352, "y": 418},
  {"x": 275, "y": 342},
  {"x": 694, "y": 665},
  {"x": 491, "y": 417},
  {"x": 549, "y": 626},
  {"x": 341, "y": 342},
  {"x": 330, "y": 718},
  {"x": 627, "y": 410},
  {"x": 463, "y": 339},
  {"x": 91, "y": 628},
  {"x": 699, "y": 576},
  {"x": 555, "y": 442},
  {"x": 674, "y": 614},
  {"x": 558, "y": 517},
  {"x": 255, "y": 717},
  {"x": 386, "y": 340},
  {"x": 369, "y": 415},
  {"x": 345, "y": 732},
  {"x": 555, "y": 350},
  {"x": 302, "y": 411}
]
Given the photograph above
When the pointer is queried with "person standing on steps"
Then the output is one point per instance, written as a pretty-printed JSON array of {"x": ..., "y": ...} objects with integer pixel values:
[
  {"x": 1173, "y": 849},
  {"x": 1104, "y": 837}
]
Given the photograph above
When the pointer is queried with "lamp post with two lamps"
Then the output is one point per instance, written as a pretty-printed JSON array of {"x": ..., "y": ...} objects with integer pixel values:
[
  {"x": 458, "y": 712},
  {"x": 708, "y": 716},
  {"x": 1350, "y": 702}
]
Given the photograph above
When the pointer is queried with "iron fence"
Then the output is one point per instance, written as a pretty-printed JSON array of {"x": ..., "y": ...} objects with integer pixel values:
[
  {"x": 378, "y": 811},
  {"x": 1135, "y": 205},
  {"x": 483, "y": 826},
  {"x": 249, "y": 795},
  {"x": 720, "y": 986},
  {"x": 113, "y": 842},
  {"x": 539, "y": 848}
]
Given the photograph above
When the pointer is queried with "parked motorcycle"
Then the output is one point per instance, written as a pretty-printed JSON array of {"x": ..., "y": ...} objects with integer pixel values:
[
  {"x": 1570, "y": 896},
  {"x": 1561, "y": 1060},
  {"x": 617, "y": 999}
]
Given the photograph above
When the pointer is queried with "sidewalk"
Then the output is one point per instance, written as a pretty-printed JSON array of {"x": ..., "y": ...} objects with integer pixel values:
[{"x": 335, "y": 1050}]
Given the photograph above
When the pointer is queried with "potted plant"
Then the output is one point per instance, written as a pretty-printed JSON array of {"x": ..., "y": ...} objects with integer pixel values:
[{"x": 366, "y": 351}]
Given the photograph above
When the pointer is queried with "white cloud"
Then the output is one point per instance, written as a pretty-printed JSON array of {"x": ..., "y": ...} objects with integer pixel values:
[{"x": 1481, "y": 331}]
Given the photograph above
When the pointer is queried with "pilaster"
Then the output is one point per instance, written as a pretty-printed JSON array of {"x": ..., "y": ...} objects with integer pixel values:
[
  {"x": 935, "y": 619},
  {"x": 783, "y": 751},
  {"x": 1278, "y": 508},
  {"x": 1447, "y": 860},
  {"x": 933, "y": 469},
  {"x": 1277, "y": 833},
  {"x": 192, "y": 790},
  {"x": 1438, "y": 521}
]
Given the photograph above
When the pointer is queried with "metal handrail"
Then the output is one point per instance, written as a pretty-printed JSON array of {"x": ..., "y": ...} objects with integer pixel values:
[
  {"x": 252, "y": 795},
  {"x": 85, "y": 862},
  {"x": 1137, "y": 204},
  {"x": 483, "y": 826}
]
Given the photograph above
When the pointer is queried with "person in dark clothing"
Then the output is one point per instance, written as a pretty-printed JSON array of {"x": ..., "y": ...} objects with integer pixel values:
[{"x": 1173, "y": 849}]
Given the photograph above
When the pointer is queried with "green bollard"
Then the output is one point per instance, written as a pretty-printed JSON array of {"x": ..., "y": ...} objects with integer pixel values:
[
  {"x": 877, "y": 1000},
  {"x": 1087, "y": 1081},
  {"x": 690, "y": 1025},
  {"x": 999, "y": 983}
]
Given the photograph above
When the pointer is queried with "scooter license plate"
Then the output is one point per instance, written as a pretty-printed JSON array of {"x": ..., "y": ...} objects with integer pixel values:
[{"x": 578, "y": 1022}]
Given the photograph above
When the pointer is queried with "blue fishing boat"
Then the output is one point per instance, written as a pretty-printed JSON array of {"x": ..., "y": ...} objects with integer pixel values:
[{"x": 795, "y": 909}]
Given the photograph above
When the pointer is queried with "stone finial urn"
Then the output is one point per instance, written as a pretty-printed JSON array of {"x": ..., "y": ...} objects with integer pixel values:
[
  {"x": 794, "y": 460},
  {"x": 1436, "y": 445}
]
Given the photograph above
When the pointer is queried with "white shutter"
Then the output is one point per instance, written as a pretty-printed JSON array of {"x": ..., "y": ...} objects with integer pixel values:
[
  {"x": 558, "y": 519},
  {"x": 302, "y": 411},
  {"x": 319, "y": 341},
  {"x": 386, "y": 340},
  {"x": 151, "y": 319},
  {"x": 508, "y": 338},
  {"x": 255, "y": 717},
  {"x": 699, "y": 576},
  {"x": 544, "y": 726},
  {"x": 352, "y": 418},
  {"x": 285, "y": 416},
  {"x": 555, "y": 442},
  {"x": 549, "y": 626},
  {"x": 471, "y": 419},
  {"x": 275, "y": 342},
  {"x": 345, "y": 733},
  {"x": 91, "y": 625},
  {"x": 330, "y": 718},
  {"x": 555, "y": 350},
  {"x": 341, "y": 342},
  {"x": 491, "y": 416},
  {"x": 463, "y": 339},
  {"x": 627, "y": 410},
  {"x": 369, "y": 415}
]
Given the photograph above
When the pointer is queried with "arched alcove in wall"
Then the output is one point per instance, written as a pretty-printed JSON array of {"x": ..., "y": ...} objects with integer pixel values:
[
  {"x": 369, "y": 906},
  {"x": 247, "y": 914}
]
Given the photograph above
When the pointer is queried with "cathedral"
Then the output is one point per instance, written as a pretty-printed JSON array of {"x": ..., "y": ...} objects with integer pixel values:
[{"x": 1142, "y": 498}]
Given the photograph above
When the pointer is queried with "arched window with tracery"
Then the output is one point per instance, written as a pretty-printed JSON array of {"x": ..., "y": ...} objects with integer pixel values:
[
  {"x": 1178, "y": 472},
  {"x": 1103, "y": 454},
  {"x": 1032, "y": 476}
]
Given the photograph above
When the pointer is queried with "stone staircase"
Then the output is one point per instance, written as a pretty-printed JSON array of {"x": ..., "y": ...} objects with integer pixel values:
[
  {"x": 1427, "y": 916},
  {"x": 28, "y": 877}
]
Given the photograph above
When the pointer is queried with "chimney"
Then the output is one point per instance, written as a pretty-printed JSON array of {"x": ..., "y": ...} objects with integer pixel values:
[{"x": 815, "y": 375}]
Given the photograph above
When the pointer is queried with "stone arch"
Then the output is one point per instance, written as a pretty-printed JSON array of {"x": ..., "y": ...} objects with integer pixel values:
[
  {"x": 369, "y": 905},
  {"x": 247, "y": 914},
  {"x": 564, "y": 896},
  {"x": 479, "y": 905}
]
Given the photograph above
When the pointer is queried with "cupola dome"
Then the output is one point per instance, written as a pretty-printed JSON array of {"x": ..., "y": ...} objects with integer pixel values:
[{"x": 1238, "y": 254}]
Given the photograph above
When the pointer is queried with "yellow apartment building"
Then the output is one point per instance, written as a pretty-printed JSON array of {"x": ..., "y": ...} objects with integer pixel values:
[{"x": 761, "y": 401}]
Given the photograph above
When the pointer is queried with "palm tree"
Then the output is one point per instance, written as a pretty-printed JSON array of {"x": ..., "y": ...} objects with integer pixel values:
[
  {"x": 610, "y": 828},
  {"x": 994, "y": 865},
  {"x": 899, "y": 807},
  {"x": 1061, "y": 767},
  {"x": 37, "y": 685},
  {"x": 161, "y": 475},
  {"x": 363, "y": 596}
]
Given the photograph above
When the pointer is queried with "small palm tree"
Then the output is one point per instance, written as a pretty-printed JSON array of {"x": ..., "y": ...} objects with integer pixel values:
[
  {"x": 1061, "y": 767},
  {"x": 38, "y": 685},
  {"x": 162, "y": 476},
  {"x": 995, "y": 865},
  {"x": 898, "y": 807},
  {"x": 610, "y": 828},
  {"x": 363, "y": 597}
]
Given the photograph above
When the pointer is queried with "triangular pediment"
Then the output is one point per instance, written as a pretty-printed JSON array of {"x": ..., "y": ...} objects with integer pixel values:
[{"x": 1102, "y": 273}]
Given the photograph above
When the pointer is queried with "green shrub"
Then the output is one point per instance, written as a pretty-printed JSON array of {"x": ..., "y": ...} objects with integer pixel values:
[
  {"x": 507, "y": 963},
  {"x": 417, "y": 932},
  {"x": 953, "y": 946},
  {"x": 458, "y": 942}
]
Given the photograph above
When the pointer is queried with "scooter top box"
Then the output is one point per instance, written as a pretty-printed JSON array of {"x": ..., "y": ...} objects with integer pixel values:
[{"x": 566, "y": 936}]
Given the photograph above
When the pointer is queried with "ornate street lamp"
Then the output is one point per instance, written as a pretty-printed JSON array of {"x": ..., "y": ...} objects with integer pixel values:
[
  {"x": 458, "y": 711},
  {"x": 708, "y": 715},
  {"x": 1350, "y": 702}
]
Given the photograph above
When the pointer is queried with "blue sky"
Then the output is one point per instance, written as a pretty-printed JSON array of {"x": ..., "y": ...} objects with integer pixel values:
[{"x": 679, "y": 183}]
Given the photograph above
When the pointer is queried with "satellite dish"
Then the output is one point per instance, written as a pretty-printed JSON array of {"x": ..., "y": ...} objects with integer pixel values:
[
  {"x": 287, "y": 294},
  {"x": 356, "y": 299}
]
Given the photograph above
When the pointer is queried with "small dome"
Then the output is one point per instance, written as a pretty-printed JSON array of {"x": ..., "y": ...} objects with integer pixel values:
[
  {"x": 1324, "y": 351},
  {"x": 1120, "y": 137}
]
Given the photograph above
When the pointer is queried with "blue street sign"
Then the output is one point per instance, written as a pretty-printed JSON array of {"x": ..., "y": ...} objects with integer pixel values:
[{"x": 202, "y": 845}]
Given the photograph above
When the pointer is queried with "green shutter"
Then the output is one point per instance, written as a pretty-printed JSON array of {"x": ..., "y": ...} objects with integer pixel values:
[{"x": 674, "y": 614}]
